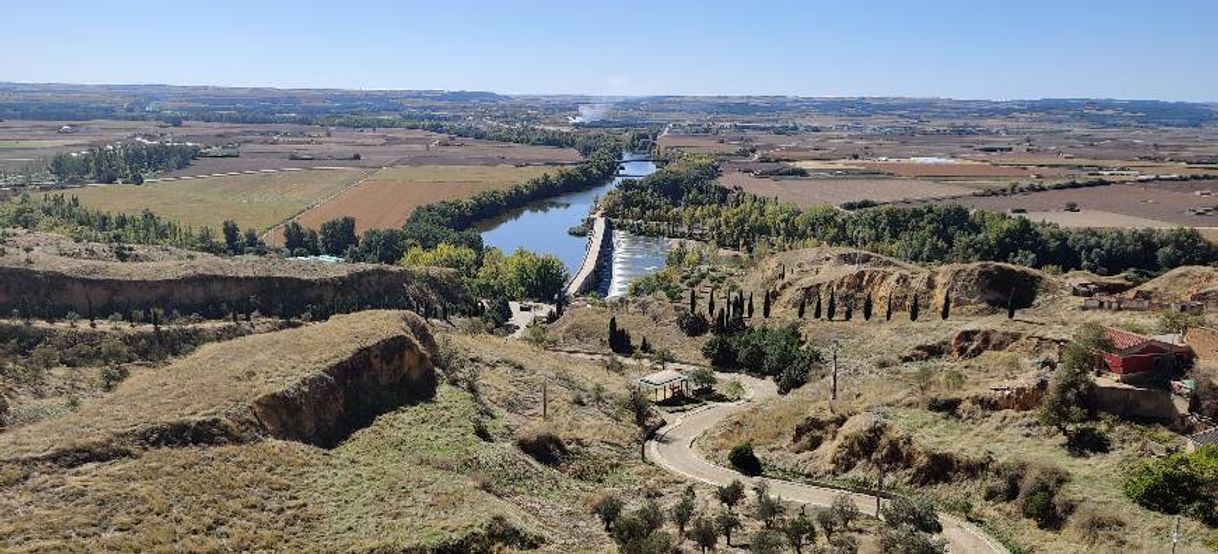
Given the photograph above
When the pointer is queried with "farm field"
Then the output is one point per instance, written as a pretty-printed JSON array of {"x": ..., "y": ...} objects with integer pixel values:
[
  {"x": 811, "y": 192},
  {"x": 1146, "y": 202},
  {"x": 273, "y": 146},
  {"x": 1096, "y": 218},
  {"x": 259, "y": 201},
  {"x": 389, "y": 196}
]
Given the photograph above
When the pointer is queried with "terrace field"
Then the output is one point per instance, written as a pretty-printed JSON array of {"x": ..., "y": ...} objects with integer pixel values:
[{"x": 259, "y": 200}]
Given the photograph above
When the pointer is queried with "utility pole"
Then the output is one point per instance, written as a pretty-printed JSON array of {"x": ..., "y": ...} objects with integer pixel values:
[
  {"x": 545, "y": 397},
  {"x": 1175, "y": 536},
  {"x": 833, "y": 382}
]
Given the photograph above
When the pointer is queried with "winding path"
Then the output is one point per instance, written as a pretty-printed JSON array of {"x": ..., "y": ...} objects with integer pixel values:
[{"x": 672, "y": 449}]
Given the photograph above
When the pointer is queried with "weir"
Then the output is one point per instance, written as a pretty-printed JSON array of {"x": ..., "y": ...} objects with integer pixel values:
[{"x": 599, "y": 252}]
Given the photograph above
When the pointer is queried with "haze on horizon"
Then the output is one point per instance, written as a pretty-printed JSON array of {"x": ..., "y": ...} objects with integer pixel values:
[{"x": 951, "y": 49}]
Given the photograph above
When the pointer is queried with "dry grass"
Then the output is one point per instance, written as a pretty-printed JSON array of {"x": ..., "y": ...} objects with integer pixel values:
[
  {"x": 389, "y": 196},
  {"x": 214, "y": 384},
  {"x": 259, "y": 201},
  {"x": 586, "y": 327},
  {"x": 438, "y": 474},
  {"x": 56, "y": 253}
]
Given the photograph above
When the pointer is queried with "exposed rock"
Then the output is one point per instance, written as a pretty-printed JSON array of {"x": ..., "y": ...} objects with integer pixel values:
[
  {"x": 60, "y": 278},
  {"x": 315, "y": 384}
]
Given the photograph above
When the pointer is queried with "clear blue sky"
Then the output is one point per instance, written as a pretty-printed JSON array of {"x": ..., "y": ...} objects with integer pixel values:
[{"x": 979, "y": 49}]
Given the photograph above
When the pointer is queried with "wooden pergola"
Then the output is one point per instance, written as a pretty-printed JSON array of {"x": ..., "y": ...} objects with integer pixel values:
[{"x": 665, "y": 384}]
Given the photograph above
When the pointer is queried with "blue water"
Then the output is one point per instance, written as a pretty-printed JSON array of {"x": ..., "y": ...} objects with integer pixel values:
[{"x": 542, "y": 228}]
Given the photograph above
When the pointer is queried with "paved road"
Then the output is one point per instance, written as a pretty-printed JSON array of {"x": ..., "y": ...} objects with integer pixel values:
[{"x": 673, "y": 450}]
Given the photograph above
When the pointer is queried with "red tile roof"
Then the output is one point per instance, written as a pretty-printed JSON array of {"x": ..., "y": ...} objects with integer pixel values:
[{"x": 1122, "y": 339}]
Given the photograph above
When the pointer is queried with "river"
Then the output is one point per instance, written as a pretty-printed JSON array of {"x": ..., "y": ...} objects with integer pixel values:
[{"x": 542, "y": 227}]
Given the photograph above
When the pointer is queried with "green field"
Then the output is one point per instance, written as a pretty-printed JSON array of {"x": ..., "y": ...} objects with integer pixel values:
[{"x": 259, "y": 201}]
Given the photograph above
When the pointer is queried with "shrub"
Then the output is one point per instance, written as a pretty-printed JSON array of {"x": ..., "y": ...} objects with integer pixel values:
[
  {"x": 844, "y": 510},
  {"x": 1087, "y": 440},
  {"x": 1183, "y": 483},
  {"x": 1097, "y": 525},
  {"x": 608, "y": 508},
  {"x": 112, "y": 375},
  {"x": 767, "y": 541},
  {"x": 916, "y": 513},
  {"x": 908, "y": 540},
  {"x": 544, "y": 446},
  {"x": 744, "y": 460},
  {"x": 693, "y": 324}
]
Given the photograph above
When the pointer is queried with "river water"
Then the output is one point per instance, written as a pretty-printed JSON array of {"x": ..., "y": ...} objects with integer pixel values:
[{"x": 542, "y": 228}]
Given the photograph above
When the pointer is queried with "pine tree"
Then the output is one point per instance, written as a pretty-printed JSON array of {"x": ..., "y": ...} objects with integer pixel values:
[
  {"x": 750, "y": 305},
  {"x": 946, "y": 311},
  {"x": 867, "y": 308},
  {"x": 765, "y": 304},
  {"x": 816, "y": 312},
  {"x": 913, "y": 308},
  {"x": 832, "y": 310},
  {"x": 888, "y": 309},
  {"x": 803, "y": 303}
]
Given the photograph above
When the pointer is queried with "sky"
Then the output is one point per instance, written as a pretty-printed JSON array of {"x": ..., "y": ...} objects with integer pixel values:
[{"x": 989, "y": 49}]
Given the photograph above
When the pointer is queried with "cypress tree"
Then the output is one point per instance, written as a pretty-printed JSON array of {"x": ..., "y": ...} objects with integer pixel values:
[
  {"x": 816, "y": 312},
  {"x": 693, "y": 301},
  {"x": 849, "y": 307},
  {"x": 612, "y": 330},
  {"x": 946, "y": 311},
  {"x": 722, "y": 321},
  {"x": 832, "y": 311},
  {"x": 750, "y": 305},
  {"x": 867, "y": 308},
  {"x": 803, "y": 303},
  {"x": 765, "y": 304},
  {"x": 710, "y": 309},
  {"x": 1011, "y": 305},
  {"x": 913, "y": 308},
  {"x": 888, "y": 310}
]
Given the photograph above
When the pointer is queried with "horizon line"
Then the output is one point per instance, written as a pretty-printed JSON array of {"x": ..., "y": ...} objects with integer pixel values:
[{"x": 606, "y": 96}]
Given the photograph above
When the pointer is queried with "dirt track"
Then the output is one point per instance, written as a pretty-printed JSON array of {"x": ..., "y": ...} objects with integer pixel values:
[{"x": 673, "y": 450}]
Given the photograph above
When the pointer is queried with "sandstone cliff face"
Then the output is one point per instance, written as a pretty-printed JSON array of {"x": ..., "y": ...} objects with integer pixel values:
[
  {"x": 48, "y": 275},
  {"x": 316, "y": 384},
  {"x": 982, "y": 285},
  {"x": 52, "y": 293}
]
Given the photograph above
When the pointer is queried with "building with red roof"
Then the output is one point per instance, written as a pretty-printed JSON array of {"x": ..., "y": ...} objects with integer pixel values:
[{"x": 1135, "y": 355}]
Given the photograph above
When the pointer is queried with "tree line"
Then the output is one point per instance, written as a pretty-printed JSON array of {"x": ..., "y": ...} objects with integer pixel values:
[
  {"x": 126, "y": 161},
  {"x": 684, "y": 200}
]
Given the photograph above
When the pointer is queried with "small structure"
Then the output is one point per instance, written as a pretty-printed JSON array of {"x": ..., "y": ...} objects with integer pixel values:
[
  {"x": 1206, "y": 437},
  {"x": 1116, "y": 303},
  {"x": 665, "y": 384},
  {"x": 1188, "y": 307},
  {"x": 1137, "y": 356},
  {"x": 1083, "y": 287}
]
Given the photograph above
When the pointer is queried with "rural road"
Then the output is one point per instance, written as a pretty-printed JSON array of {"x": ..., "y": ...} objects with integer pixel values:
[{"x": 672, "y": 449}]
